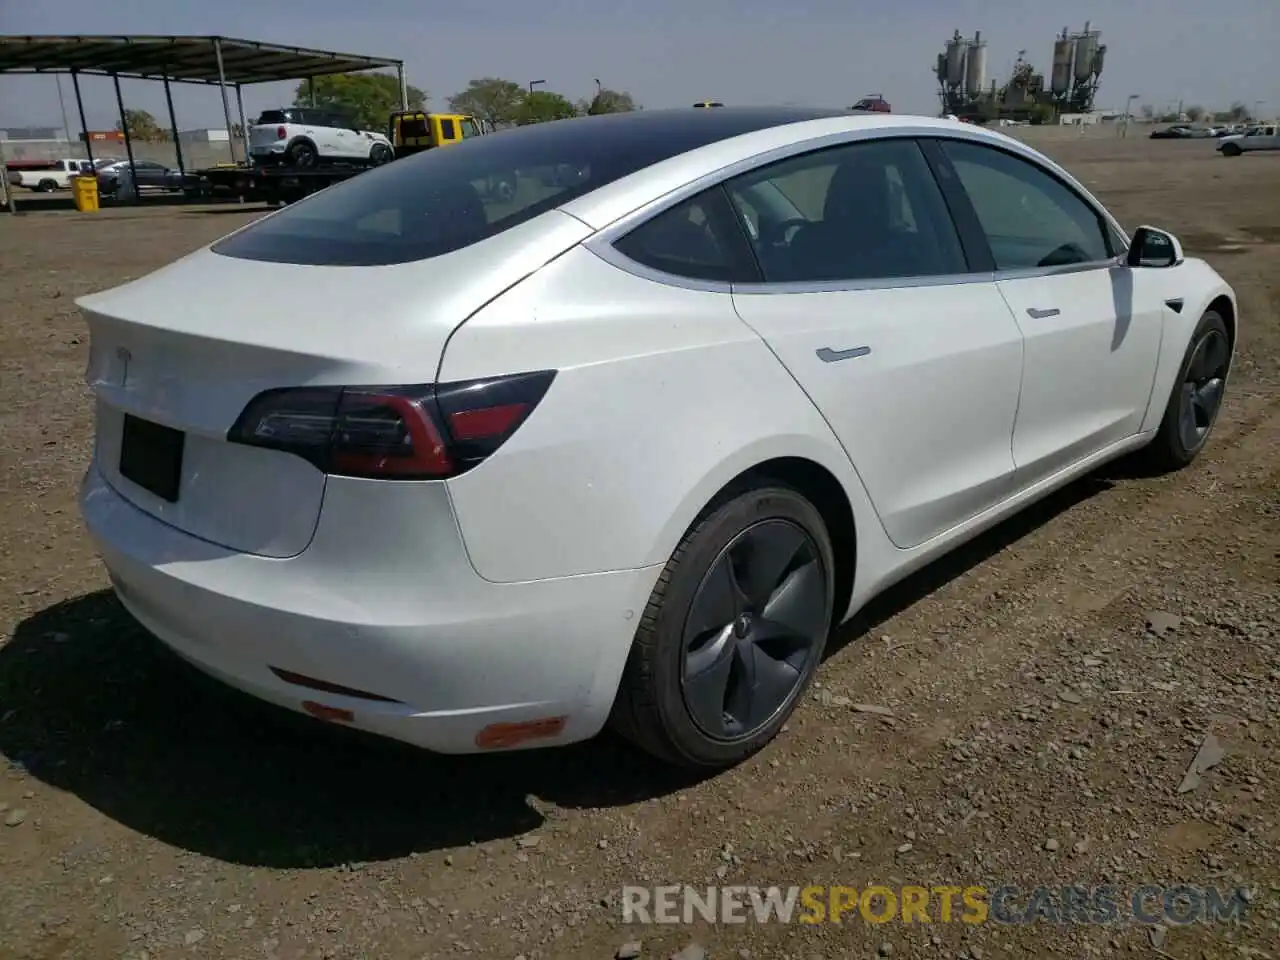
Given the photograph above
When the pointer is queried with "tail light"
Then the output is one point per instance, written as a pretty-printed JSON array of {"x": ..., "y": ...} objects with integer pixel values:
[
  {"x": 426, "y": 432},
  {"x": 281, "y": 133}
]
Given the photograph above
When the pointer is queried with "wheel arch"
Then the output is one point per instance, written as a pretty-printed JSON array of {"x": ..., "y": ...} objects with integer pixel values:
[
  {"x": 1225, "y": 307},
  {"x": 302, "y": 138},
  {"x": 820, "y": 487}
]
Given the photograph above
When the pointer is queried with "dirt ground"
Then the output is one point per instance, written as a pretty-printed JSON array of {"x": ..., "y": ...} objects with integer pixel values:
[{"x": 1049, "y": 685}]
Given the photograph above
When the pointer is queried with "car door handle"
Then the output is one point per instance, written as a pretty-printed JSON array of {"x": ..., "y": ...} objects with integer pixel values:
[
  {"x": 827, "y": 355},
  {"x": 1035, "y": 314}
]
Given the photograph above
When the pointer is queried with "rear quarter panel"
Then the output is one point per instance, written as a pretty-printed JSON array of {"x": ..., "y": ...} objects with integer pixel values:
[{"x": 663, "y": 396}]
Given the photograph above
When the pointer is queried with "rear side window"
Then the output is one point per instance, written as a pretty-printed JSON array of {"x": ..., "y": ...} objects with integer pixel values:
[
  {"x": 447, "y": 131},
  {"x": 697, "y": 239},
  {"x": 275, "y": 116},
  {"x": 869, "y": 210},
  {"x": 439, "y": 201}
]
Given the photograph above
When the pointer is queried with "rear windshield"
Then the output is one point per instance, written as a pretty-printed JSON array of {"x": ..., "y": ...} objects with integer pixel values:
[
  {"x": 275, "y": 116},
  {"x": 452, "y": 196}
]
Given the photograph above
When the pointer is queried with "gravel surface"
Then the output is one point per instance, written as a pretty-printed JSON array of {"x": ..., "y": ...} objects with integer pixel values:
[{"x": 1089, "y": 694}]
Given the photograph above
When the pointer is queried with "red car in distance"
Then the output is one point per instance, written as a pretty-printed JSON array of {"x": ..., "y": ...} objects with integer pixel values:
[{"x": 876, "y": 103}]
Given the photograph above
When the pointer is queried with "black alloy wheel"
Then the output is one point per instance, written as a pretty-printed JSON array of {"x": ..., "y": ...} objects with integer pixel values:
[
  {"x": 733, "y": 633},
  {"x": 1196, "y": 399},
  {"x": 757, "y": 624},
  {"x": 303, "y": 155},
  {"x": 1203, "y": 386}
]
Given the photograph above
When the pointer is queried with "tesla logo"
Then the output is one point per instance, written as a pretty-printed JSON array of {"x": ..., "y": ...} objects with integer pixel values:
[{"x": 124, "y": 356}]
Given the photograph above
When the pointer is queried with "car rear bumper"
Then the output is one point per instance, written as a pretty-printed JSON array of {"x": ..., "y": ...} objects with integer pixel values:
[{"x": 384, "y": 602}]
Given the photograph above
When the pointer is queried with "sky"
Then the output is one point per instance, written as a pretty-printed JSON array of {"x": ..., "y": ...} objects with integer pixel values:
[{"x": 674, "y": 52}]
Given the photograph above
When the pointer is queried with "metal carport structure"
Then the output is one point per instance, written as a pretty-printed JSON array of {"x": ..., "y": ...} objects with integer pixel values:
[{"x": 226, "y": 62}]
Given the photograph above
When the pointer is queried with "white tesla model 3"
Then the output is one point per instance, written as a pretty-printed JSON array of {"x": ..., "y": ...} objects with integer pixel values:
[{"x": 484, "y": 474}]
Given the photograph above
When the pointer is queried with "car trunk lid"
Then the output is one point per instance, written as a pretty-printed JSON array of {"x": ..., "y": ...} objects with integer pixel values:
[{"x": 189, "y": 346}]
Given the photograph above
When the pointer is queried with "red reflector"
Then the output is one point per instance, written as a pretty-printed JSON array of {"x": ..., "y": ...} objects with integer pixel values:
[
  {"x": 281, "y": 133},
  {"x": 485, "y": 422},
  {"x": 322, "y": 712},
  {"x": 503, "y": 736}
]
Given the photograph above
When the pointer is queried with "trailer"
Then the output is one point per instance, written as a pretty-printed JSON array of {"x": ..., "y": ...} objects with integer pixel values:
[{"x": 273, "y": 184}]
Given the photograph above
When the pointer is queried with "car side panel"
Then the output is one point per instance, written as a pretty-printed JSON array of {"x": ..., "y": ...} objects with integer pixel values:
[{"x": 663, "y": 396}]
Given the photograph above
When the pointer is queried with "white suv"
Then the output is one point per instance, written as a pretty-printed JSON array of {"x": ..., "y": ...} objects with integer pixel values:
[{"x": 304, "y": 136}]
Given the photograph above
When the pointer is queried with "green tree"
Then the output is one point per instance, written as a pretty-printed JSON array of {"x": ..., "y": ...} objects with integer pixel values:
[
  {"x": 491, "y": 100},
  {"x": 610, "y": 101},
  {"x": 143, "y": 127},
  {"x": 543, "y": 105},
  {"x": 1195, "y": 113},
  {"x": 1041, "y": 113},
  {"x": 367, "y": 98}
]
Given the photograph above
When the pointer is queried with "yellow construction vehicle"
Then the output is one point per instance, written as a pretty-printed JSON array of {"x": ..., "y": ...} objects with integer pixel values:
[{"x": 412, "y": 131}]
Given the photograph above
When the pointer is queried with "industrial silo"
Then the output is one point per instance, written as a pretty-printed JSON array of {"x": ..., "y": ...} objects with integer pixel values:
[
  {"x": 1099, "y": 55},
  {"x": 1086, "y": 47},
  {"x": 955, "y": 60},
  {"x": 975, "y": 71},
  {"x": 1064, "y": 49}
]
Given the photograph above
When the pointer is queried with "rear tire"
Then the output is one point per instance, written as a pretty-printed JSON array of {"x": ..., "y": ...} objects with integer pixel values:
[
  {"x": 302, "y": 154},
  {"x": 1231, "y": 150},
  {"x": 380, "y": 154},
  {"x": 46, "y": 186},
  {"x": 732, "y": 634},
  {"x": 1196, "y": 397}
]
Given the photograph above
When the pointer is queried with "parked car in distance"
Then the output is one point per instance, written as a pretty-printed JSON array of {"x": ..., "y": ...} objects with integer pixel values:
[
  {"x": 1263, "y": 137},
  {"x": 873, "y": 104},
  {"x": 305, "y": 136},
  {"x": 1182, "y": 131},
  {"x": 149, "y": 176},
  {"x": 46, "y": 178},
  {"x": 627, "y": 446}
]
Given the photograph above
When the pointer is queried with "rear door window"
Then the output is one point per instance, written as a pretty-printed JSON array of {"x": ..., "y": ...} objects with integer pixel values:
[{"x": 869, "y": 210}]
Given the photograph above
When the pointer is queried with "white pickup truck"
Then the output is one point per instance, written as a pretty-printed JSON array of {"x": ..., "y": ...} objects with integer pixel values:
[
  {"x": 1262, "y": 137},
  {"x": 54, "y": 176}
]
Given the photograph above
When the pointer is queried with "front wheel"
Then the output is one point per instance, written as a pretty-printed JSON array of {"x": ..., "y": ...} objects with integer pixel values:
[
  {"x": 1231, "y": 150},
  {"x": 1196, "y": 397},
  {"x": 733, "y": 632}
]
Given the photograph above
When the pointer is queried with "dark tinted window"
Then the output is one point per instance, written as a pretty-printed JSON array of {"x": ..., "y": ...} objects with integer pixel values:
[
  {"x": 866, "y": 211},
  {"x": 439, "y": 201},
  {"x": 1030, "y": 217},
  {"x": 275, "y": 116},
  {"x": 697, "y": 239},
  {"x": 447, "y": 131}
]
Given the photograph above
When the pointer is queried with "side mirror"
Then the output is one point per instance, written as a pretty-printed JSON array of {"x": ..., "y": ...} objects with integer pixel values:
[{"x": 1154, "y": 248}]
